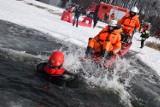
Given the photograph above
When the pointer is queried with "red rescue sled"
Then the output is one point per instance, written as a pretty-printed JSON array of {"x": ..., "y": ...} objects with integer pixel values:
[{"x": 109, "y": 61}]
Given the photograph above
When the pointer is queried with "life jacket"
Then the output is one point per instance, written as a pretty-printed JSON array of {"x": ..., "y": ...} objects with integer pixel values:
[
  {"x": 129, "y": 23},
  {"x": 145, "y": 34},
  {"x": 113, "y": 36},
  {"x": 54, "y": 71}
]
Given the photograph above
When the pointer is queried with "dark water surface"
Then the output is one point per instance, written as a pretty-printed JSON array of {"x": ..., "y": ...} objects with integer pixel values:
[{"x": 21, "y": 49}]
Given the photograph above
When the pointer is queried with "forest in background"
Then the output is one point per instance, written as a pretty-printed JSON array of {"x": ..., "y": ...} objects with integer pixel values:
[{"x": 149, "y": 10}]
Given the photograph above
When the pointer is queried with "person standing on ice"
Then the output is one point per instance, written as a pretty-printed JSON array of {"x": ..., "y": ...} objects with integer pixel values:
[
  {"x": 77, "y": 12},
  {"x": 129, "y": 23},
  {"x": 112, "y": 16},
  {"x": 95, "y": 16},
  {"x": 107, "y": 42},
  {"x": 145, "y": 34},
  {"x": 53, "y": 68},
  {"x": 106, "y": 17}
]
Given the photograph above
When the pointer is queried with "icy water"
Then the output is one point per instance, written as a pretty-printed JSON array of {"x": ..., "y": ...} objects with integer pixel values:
[{"x": 132, "y": 84}]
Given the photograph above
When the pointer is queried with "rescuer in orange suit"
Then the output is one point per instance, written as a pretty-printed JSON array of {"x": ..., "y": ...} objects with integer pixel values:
[
  {"x": 129, "y": 23},
  {"x": 107, "y": 42}
]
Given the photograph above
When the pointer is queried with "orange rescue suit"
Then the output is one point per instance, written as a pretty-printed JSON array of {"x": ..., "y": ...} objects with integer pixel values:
[
  {"x": 129, "y": 23},
  {"x": 106, "y": 41}
]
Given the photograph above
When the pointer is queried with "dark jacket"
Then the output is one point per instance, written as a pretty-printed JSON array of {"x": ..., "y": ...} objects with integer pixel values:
[
  {"x": 77, "y": 12},
  {"x": 145, "y": 34},
  {"x": 96, "y": 13},
  {"x": 97, "y": 9}
]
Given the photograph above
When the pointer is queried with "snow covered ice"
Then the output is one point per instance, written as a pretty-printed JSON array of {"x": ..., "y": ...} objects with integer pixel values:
[{"x": 22, "y": 13}]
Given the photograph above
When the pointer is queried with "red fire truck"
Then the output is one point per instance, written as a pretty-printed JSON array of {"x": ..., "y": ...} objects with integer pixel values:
[{"x": 104, "y": 8}]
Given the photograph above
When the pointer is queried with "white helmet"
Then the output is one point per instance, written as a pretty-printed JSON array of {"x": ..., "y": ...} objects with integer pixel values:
[
  {"x": 112, "y": 23},
  {"x": 134, "y": 9}
]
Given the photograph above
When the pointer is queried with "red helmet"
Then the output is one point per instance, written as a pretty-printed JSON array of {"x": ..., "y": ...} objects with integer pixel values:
[{"x": 56, "y": 59}]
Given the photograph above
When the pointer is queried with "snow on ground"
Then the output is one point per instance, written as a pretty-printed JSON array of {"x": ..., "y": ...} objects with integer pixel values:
[
  {"x": 46, "y": 18},
  {"x": 149, "y": 56}
]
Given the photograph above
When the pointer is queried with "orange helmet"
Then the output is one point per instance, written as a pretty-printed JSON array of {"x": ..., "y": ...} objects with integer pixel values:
[{"x": 56, "y": 59}]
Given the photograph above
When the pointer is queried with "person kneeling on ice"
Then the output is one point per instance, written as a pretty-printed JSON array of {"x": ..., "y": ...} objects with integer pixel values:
[
  {"x": 54, "y": 70},
  {"x": 129, "y": 23},
  {"x": 107, "y": 42}
]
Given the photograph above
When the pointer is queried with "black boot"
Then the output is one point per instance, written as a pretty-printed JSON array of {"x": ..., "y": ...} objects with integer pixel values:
[
  {"x": 88, "y": 51},
  {"x": 110, "y": 54},
  {"x": 73, "y": 23},
  {"x": 141, "y": 47}
]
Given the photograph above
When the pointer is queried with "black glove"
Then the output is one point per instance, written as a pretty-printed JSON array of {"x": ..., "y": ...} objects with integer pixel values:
[
  {"x": 118, "y": 27},
  {"x": 110, "y": 54},
  {"x": 88, "y": 51}
]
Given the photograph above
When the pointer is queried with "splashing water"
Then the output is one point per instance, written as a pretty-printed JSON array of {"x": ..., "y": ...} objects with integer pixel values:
[
  {"x": 110, "y": 79},
  {"x": 72, "y": 59},
  {"x": 116, "y": 79}
]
